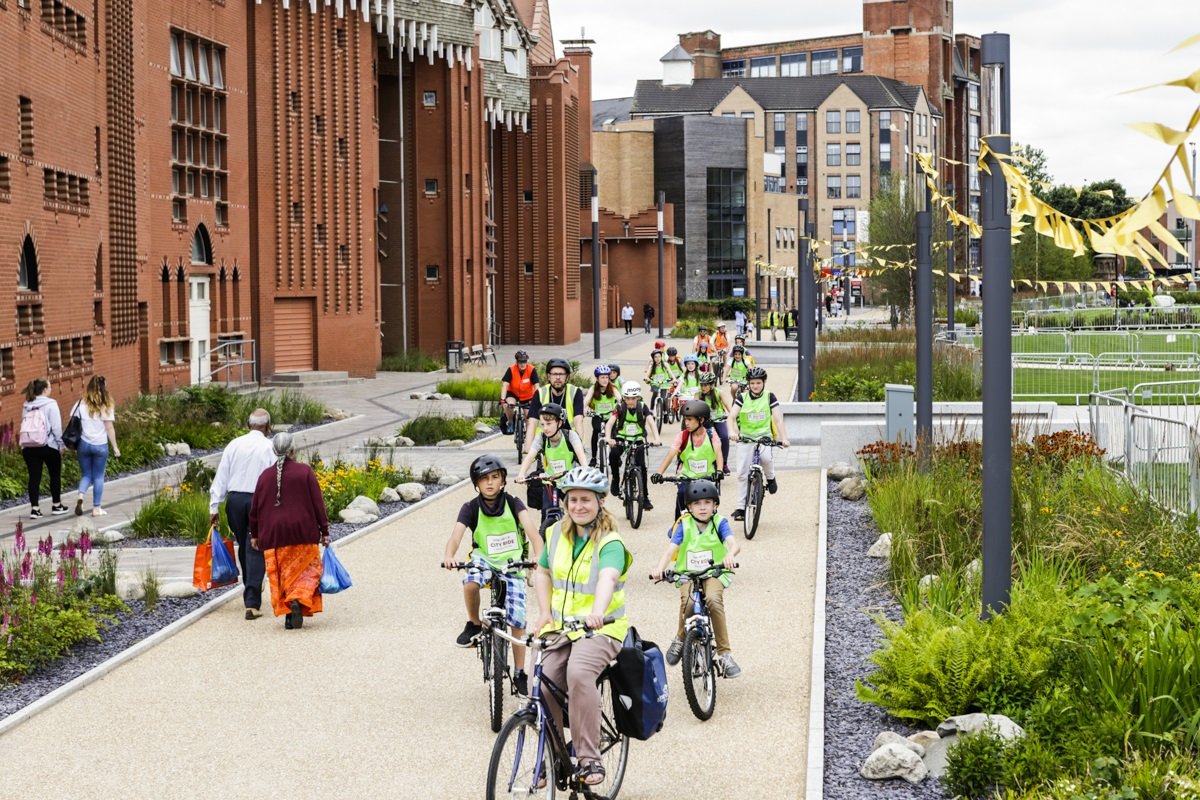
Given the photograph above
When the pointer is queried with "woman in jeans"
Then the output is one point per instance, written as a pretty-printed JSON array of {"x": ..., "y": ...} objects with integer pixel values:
[
  {"x": 49, "y": 454},
  {"x": 96, "y": 415}
]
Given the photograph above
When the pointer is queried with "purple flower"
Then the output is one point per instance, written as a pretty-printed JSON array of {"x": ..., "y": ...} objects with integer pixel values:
[
  {"x": 74, "y": 571},
  {"x": 33, "y": 598},
  {"x": 19, "y": 540},
  {"x": 61, "y": 577},
  {"x": 46, "y": 546},
  {"x": 26, "y": 566},
  {"x": 85, "y": 543}
]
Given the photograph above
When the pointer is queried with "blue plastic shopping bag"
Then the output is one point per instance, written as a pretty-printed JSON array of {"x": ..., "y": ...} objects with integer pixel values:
[
  {"x": 224, "y": 568},
  {"x": 334, "y": 577}
]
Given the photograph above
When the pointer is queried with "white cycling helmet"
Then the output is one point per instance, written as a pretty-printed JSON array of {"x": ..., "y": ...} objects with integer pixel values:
[
  {"x": 631, "y": 389},
  {"x": 588, "y": 478}
]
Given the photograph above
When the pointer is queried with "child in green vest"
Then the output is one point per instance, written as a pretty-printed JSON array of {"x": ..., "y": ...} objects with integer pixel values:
[
  {"x": 700, "y": 536},
  {"x": 558, "y": 448},
  {"x": 601, "y": 401},
  {"x": 502, "y": 530},
  {"x": 755, "y": 415},
  {"x": 697, "y": 450}
]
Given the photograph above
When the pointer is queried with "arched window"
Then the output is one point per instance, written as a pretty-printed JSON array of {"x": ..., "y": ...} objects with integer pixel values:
[
  {"x": 27, "y": 277},
  {"x": 202, "y": 247}
]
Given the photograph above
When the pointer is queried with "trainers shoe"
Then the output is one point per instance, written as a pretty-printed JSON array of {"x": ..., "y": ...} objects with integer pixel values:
[
  {"x": 739, "y": 515},
  {"x": 79, "y": 506},
  {"x": 729, "y": 667},
  {"x": 469, "y": 632},
  {"x": 675, "y": 651},
  {"x": 253, "y": 613},
  {"x": 35, "y": 513},
  {"x": 772, "y": 486},
  {"x": 58, "y": 509},
  {"x": 646, "y": 504},
  {"x": 520, "y": 683},
  {"x": 616, "y": 493}
]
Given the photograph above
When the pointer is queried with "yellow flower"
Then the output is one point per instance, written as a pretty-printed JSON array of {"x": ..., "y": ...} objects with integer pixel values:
[
  {"x": 1124, "y": 509},
  {"x": 1157, "y": 574},
  {"x": 1047, "y": 510}
]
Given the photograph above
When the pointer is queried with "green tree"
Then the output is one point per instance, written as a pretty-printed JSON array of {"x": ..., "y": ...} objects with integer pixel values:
[
  {"x": 894, "y": 221},
  {"x": 1037, "y": 170}
]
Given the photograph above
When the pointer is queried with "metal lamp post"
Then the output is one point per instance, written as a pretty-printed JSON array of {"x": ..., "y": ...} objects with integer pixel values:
[
  {"x": 997, "y": 343},
  {"x": 950, "y": 286},
  {"x": 662, "y": 199},
  {"x": 806, "y": 334},
  {"x": 924, "y": 322},
  {"x": 595, "y": 265}
]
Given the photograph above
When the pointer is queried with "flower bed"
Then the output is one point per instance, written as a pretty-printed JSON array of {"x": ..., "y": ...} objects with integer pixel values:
[
  {"x": 859, "y": 373},
  {"x": 1105, "y": 606}
]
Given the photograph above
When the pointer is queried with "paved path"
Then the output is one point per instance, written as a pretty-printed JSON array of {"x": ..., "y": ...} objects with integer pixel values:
[{"x": 372, "y": 700}]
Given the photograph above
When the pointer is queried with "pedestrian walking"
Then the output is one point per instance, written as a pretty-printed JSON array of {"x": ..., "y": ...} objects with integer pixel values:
[
  {"x": 41, "y": 445},
  {"x": 96, "y": 416},
  {"x": 648, "y": 315},
  {"x": 627, "y": 317},
  {"x": 289, "y": 534},
  {"x": 243, "y": 462},
  {"x": 829, "y": 304},
  {"x": 739, "y": 321}
]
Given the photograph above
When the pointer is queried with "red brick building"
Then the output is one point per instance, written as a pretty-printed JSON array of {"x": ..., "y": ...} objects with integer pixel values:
[{"x": 182, "y": 178}]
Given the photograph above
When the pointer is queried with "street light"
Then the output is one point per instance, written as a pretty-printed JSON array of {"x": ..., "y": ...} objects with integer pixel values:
[
  {"x": 595, "y": 264},
  {"x": 1195, "y": 223},
  {"x": 662, "y": 198}
]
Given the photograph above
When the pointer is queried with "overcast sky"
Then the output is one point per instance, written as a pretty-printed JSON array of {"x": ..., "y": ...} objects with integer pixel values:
[{"x": 1072, "y": 59}]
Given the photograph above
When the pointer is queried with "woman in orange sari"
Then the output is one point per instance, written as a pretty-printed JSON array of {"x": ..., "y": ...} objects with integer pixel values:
[{"x": 288, "y": 523}]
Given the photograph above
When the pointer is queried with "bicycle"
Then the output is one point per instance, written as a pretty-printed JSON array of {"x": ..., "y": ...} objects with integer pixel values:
[
  {"x": 658, "y": 405},
  {"x": 520, "y": 414},
  {"x": 715, "y": 478},
  {"x": 700, "y": 663},
  {"x": 756, "y": 483},
  {"x": 552, "y": 512},
  {"x": 600, "y": 456},
  {"x": 494, "y": 654},
  {"x": 718, "y": 366},
  {"x": 542, "y": 761},
  {"x": 633, "y": 480}
]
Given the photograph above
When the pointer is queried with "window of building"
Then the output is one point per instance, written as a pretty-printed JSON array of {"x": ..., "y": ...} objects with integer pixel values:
[
  {"x": 973, "y": 174},
  {"x": 852, "y": 59},
  {"x": 833, "y": 122},
  {"x": 885, "y": 122},
  {"x": 726, "y": 229},
  {"x": 431, "y": 186},
  {"x": 833, "y": 187},
  {"x": 514, "y": 52},
  {"x": 973, "y": 97},
  {"x": 8, "y": 371},
  {"x": 343, "y": 147},
  {"x": 528, "y": 267},
  {"x": 64, "y": 23},
  {"x": 527, "y": 195},
  {"x": 801, "y": 123},
  {"x": 294, "y": 102},
  {"x": 489, "y": 34},
  {"x": 885, "y": 153},
  {"x": 199, "y": 166},
  {"x": 853, "y": 121},
  {"x": 320, "y": 235},
  {"x": 780, "y": 131},
  {"x": 432, "y": 272},
  {"x": 429, "y": 99},
  {"x": 833, "y": 155},
  {"x": 297, "y": 213},
  {"x": 793, "y": 65},
  {"x": 771, "y": 183},
  {"x": 824, "y": 62},
  {"x": 763, "y": 67},
  {"x": 734, "y": 68},
  {"x": 26, "y": 126},
  {"x": 802, "y": 186},
  {"x": 973, "y": 133},
  {"x": 747, "y": 115},
  {"x": 843, "y": 221},
  {"x": 63, "y": 191},
  {"x": 853, "y": 154},
  {"x": 5, "y": 176},
  {"x": 853, "y": 186},
  {"x": 802, "y": 154},
  {"x": 27, "y": 271}
]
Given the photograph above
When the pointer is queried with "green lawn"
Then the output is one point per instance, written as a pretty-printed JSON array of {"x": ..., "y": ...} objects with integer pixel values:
[
  {"x": 1069, "y": 386},
  {"x": 1102, "y": 342}
]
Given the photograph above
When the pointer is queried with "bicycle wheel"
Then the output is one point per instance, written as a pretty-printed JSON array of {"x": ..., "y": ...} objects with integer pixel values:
[
  {"x": 658, "y": 411},
  {"x": 519, "y": 434},
  {"x": 513, "y": 768},
  {"x": 699, "y": 675},
  {"x": 754, "y": 498},
  {"x": 633, "y": 497},
  {"x": 499, "y": 659},
  {"x": 602, "y": 458},
  {"x": 614, "y": 747}
]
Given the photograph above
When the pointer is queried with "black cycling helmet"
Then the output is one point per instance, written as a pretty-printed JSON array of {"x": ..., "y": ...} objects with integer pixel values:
[
  {"x": 614, "y": 369},
  {"x": 672, "y": 351},
  {"x": 553, "y": 410},
  {"x": 756, "y": 374},
  {"x": 558, "y": 363},
  {"x": 708, "y": 378},
  {"x": 522, "y": 356},
  {"x": 485, "y": 465},
  {"x": 698, "y": 409},
  {"x": 702, "y": 490},
  {"x": 737, "y": 348}
]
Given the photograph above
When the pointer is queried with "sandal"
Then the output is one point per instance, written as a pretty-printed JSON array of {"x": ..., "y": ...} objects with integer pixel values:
[{"x": 591, "y": 773}]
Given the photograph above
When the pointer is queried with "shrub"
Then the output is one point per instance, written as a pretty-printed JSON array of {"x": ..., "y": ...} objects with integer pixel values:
[
  {"x": 341, "y": 482},
  {"x": 688, "y": 328},
  {"x": 471, "y": 388},
  {"x": 696, "y": 310},
  {"x": 433, "y": 428},
  {"x": 176, "y": 512},
  {"x": 410, "y": 361},
  {"x": 967, "y": 316},
  {"x": 975, "y": 765}
]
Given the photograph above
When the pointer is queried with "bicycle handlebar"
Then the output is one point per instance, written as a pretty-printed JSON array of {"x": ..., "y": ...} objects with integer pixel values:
[
  {"x": 510, "y": 567},
  {"x": 537, "y": 477},
  {"x": 713, "y": 571},
  {"x": 716, "y": 477},
  {"x": 541, "y": 642},
  {"x": 765, "y": 441}
]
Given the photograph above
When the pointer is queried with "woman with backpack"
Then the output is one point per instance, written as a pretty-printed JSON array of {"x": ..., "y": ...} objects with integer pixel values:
[
  {"x": 41, "y": 444},
  {"x": 95, "y": 411}
]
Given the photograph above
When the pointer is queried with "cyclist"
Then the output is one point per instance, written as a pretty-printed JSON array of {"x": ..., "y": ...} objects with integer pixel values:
[
  {"x": 720, "y": 342},
  {"x": 502, "y": 530},
  {"x": 695, "y": 449},
  {"x": 518, "y": 385},
  {"x": 581, "y": 573},
  {"x": 559, "y": 448},
  {"x": 755, "y": 414},
  {"x": 700, "y": 536},
  {"x": 703, "y": 355},
  {"x": 674, "y": 364},
  {"x": 601, "y": 401},
  {"x": 701, "y": 338},
  {"x": 740, "y": 340},
  {"x": 566, "y": 395},
  {"x": 615, "y": 373},
  {"x": 688, "y": 385},
  {"x": 719, "y": 403},
  {"x": 658, "y": 375},
  {"x": 735, "y": 373},
  {"x": 632, "y": 422}
]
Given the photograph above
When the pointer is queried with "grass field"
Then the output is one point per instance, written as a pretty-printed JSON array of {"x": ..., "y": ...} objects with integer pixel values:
[{"x": 1102, "y": 342}]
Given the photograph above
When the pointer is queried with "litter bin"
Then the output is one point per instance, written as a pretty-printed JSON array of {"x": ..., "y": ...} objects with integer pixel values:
[{"x": 454, "y": 355}]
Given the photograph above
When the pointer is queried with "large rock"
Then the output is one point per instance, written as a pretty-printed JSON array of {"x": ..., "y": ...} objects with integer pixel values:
[
  {"x": 882, "y": 547},
  {"x": 973, "y": 570},
  {"x": 891, "y": 737},
  {"x": 179, "y": 449},
  {"x": 482, "y": 427},
  {"x": 432, "y": 473},
  {"x": 356, "y": 516},
  {"x": 1001, "y": 725},
  {"x": 443, "y": 443},
  {"x": 389, "y": 495},
  {"x": 894, "y": 761},
  {"x": 130, "y": 587},
  {"x": 177, "y": 589},
  {"x": 935, "y": 754},
  {"x": 108, "y": 537},
  {"x": 411, "y": 492},
  {"x": 926, "y": 582},
  {"x": 418, "y": 396},
  {"x": 456, "y": 443},
  {"x": 840, "y": 470},
  {"x": 440, "y": 396},
  {"x": 404, "y": 441},
  {"x": 925, "y": 738},
  {"x": 364, "y": 504},
  {"x": 336, "y": 414},
  {"x": 852, "y": 488},
  {"x": 382, "y": 441},
  {"x": 448, "y": 480}
]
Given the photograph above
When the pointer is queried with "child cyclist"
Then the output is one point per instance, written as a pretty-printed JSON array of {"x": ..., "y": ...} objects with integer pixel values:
[
  {"x": 600, "y": 401},
  {"x": 696, "y": 451},
  {"x": 615, "y": 373},
  {"x": 700, "y": 536},
  {"x": 658, "y": 375},
  {"x": 630, "y": 423},
  {"x": 688, "y": 384},
  {"x": 755, "y": 415},
  {"x": 735, "y": 373},
  {"x": 557, "y": 447},
  {"x": 502, "y": 530},
  {"x": 674, "y": 364},
  {"x": 718, "y": 401}
]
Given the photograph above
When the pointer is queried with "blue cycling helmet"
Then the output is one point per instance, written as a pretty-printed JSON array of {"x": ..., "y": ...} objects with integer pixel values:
[
  {"x": 692, "y": 358},
  {"x": 603, "y": 369}
]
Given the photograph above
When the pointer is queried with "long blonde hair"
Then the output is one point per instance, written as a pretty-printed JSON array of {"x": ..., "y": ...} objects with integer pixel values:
[
  {"x": 96, "y": 397},
  {"x": 605, "y": 523}
]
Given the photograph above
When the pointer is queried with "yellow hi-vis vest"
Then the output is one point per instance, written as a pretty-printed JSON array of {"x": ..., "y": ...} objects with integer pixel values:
[{"x": 574, "y": 580}]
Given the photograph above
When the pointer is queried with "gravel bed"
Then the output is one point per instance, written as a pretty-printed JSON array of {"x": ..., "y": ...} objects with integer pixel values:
[
  {"x": 854, "y": 592},
  {"x": 136, "y": 625}
]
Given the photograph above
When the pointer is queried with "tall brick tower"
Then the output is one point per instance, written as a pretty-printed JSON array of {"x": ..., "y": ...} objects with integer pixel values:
[{"x": 911, "y": 41}]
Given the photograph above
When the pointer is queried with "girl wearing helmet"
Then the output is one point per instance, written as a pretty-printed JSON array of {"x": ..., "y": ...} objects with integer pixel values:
[
  {"x": 696, "y": 452},
  {"x": 600, "y": 401},
  {"x": 615, "y": 373},
  {"x": 688, "y": 385},
  {"x": 581, "y": 574},
  {"x": 719, "y": 403},
  {"x": 502, "y": 530},
  {"x": 755, "y": 414},
  {"x": 659, "y": 375},
  {"x": 735, "y": 373},
  {"x": 674, "y": 364},
  {"x": 632, "y": 422},
  {"x": 556, "y": 447}
]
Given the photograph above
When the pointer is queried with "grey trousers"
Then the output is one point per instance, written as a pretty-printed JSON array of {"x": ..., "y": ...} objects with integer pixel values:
[
  {"x": 574, "y": 666},
  {"x": 251, "y": 561}
]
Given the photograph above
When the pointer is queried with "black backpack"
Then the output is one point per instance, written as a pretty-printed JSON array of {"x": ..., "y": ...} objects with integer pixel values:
[{"x": 639, "y": 687}]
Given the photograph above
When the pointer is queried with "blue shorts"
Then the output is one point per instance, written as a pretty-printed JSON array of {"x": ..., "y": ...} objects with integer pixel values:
[{"x": 514, "y": 594}]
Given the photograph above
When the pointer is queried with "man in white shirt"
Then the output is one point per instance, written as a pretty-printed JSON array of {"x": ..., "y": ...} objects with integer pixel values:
[
  {"x": 243, "y": 461},
  {"x": 627, "y": 317}
]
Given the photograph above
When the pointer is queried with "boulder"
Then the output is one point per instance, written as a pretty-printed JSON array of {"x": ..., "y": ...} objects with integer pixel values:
[
  {"x": 882, "y": 547},
  {"x": 381, "y": 441},
  {"x": 443, "y": 443},
  {"x": 404, "y": 441},
  {"x": 925, "y": 738},
  {"x": 926, "y": 582},
  {"x": 852, "y": 488},
  {"x": 440, "y": 396},
  {"x": 973, "y": 570},
  {"x": 418, "y": 396},
  {"x": 891, "y": 737},
  {"x": 935, "y": 754},
  {"x": 364, "y": 504},
  {"x": 108, "y": 537},
  {"x": 389, "y": 495},
  {"x": 840, "y": 470},
  {"x": 177, "y": 589},
  {"x": 1001, "y": 725},
  {"x": 179, "y": 449},
  {"x": 411, "y": 492},
  {"x": 456, "y": 443},
  {"x": 432, "y": 473},
  {"x": 356, "y": 516},
  {"x": 129, "y": 586},
  {"x": 482, "y": 427},
  {"x": 447, "y": 480},
  {"x": 336, "y": 414},
  {"x": 894, "y": 761}
]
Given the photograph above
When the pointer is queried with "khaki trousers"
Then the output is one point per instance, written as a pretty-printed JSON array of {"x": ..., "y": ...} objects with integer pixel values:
[
  {"x": 574, "y": 666},
  {"x": 714, "y": 601}
]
